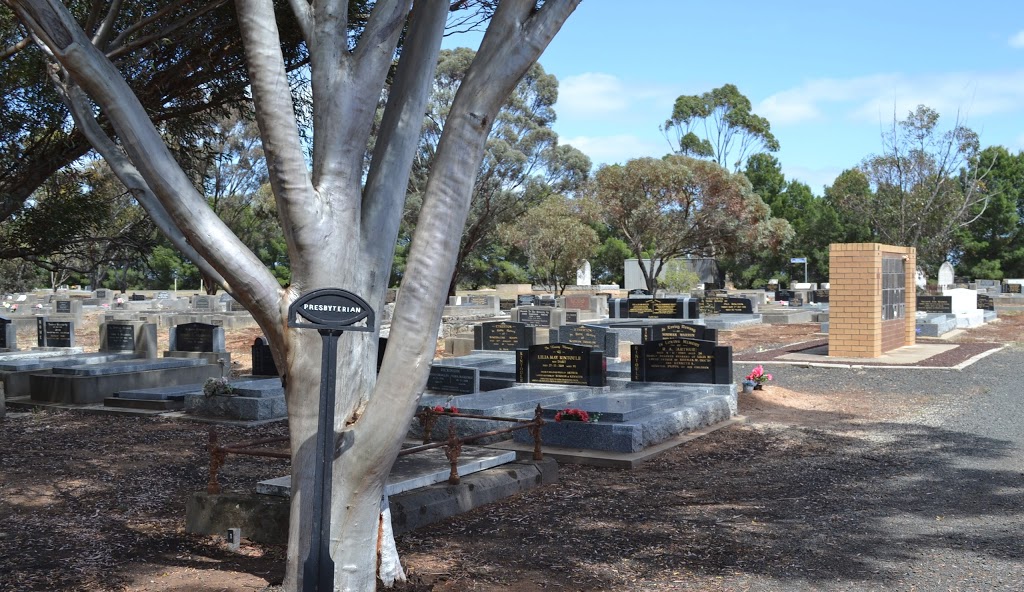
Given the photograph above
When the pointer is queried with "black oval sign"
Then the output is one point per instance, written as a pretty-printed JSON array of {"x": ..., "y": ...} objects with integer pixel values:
[{"x": 331, "y": 308}]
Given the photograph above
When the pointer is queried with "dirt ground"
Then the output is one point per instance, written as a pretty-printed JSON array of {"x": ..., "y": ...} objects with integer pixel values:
[{"x": 96, "y": 502}]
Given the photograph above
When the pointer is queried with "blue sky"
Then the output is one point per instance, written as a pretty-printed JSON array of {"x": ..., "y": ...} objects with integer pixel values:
[{"x": 828, "y": 76}]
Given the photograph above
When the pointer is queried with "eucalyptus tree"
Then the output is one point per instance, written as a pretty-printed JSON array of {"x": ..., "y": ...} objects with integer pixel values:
[
  {"x": 339, "y": 219},
  {"x": 183, "y": 59},
  {"x": 719, "y": 125},
  {"x": 523, "y": 161},
  {"x": 923, "y": 187},
  {"x": 679, "y": 206}
]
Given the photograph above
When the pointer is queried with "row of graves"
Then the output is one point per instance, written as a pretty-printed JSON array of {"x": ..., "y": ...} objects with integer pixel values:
[
  {"x": 955, "y": 308},
  {"x": 677, "y": 379},
  {"x": 57, "y": 371}
]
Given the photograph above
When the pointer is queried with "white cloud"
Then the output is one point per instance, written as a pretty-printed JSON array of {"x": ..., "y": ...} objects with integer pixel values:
[
  {"x": 878, "y": 97},
  {"x": 599, "y": 95},
  {"x": 616, "y": 149},
  {"x": 1017, "y": 41}
]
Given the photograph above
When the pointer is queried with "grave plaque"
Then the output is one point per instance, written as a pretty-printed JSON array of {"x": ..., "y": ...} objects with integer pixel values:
[
  {"x": 502, "y": 336},
  {"x": 545, "y": 302},
  {"x": 454, "y": 379},
  {"x": 661, "y": 308},
  {"x": 578, "y": 302},
  {"x": 477, "y": 300},
  {"x": 526, "y": 300},
  {"x": 716, "y": 305},
  {"x": 62, "y": 307},
  {"x": 194, "y": 337},
  {"x": 506, "y": 304},
  {"x": 202, "y": 303},
  {"x": 986, "y": 302},
  {"x": 572, "y": 316},
  {"x": 263, "y": 359},
  {"x": 58, "y": 334},
  {"x": 935, "y": 304},
  {"x": 681, "y": 360},
  {"x": 784, "y": 295},
  {"x": 560, "y": 363},
  {"x": 534, "y": 317},
  {"x": 1011, "y": 289},
  {"x": 120, "y": 337},
  {"x": 591, "y": 336},
  {"x": 819, "y": 296},
  {"x": 663, "y": 331},
  {"x": 137, "y": 297}
]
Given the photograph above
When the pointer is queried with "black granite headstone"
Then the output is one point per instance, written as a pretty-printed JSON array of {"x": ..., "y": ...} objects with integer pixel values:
[
  {"x": 986, "y": 302},
  {"x": 120, "y": 337},
  {"x": 263, "y": 359},
  {"x": 1011, "y": 289},
  {"x": 502, "y": 336},
  {"x": 62, "y": 307},
  {"x": 716, "y": 305},
  {"x": 506, "y": 304},
  {"x": 7, "y": 334},
  {"x": 454, "y": 379},
  {"x": 819, "y": 296},
  {"x": 662, "y": 308},
  {"x": 58, "y": 334},
  {"x": 194, "y": 337},
  {"x": 591, "y": 336},
  {"x": 535, "y": 317},
  {"x": 560, "y": 363},
  {"x": 572, "y": 316},
  {"x": 935, "y": 304},
  {"x": 526, "y": 300},
  {"x": 681, "y": 360},
  {"x": 662, "y": 331},
  {"x": 137, "y": 297}
]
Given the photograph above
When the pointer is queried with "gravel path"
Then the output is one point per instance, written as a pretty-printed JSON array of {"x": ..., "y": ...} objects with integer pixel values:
[{"x": 945, "y": 509}]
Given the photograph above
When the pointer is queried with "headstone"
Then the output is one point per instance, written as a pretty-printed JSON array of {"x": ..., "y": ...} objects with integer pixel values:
[
  {"x": 533, "y": 316},
  {"x": 454, "y": 379},
  {"x": 263, "y": 358},
  {"x": 526, "y": 300},
  {"x": 137, "y": 337},
  {"x": 578, "y": 302},
  {"x": 986, "y": 302},
  {"x": 583, "y": 274},
  {"x": 639, "y": 292},
  {"x": 819, "y": 296},
  {"x": 716, "y": 305},
  {"x": 506, "y": 304},
  {"x": 8, "y": 334},
  {"x": 55, "y": 333},
  {"x": 572, "y": 316},
  {"x": 203, "y": 303},
  {"x": 935, "y": 304},
  {"x": 663, "y": 331},
  {"x": 945, "y": 274},
  {"x": 502, "y": 336},
  {"x": 560, "y": 363},
  {"x": 137, "y": 297},
  {"x": 681, "y": 360},
  {"x": 62, "y": 307},
  {"x": 662, "y": 308},
  {"x": 545, "y": 300},
  {"x": 595, "y": 337},
  {"x": 197, "y": 337},
  {"x": 1011, "y": 288}
]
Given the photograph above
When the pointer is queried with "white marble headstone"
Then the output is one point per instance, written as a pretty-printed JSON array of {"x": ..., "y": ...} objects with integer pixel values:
[{"x": 945, "y": 274}]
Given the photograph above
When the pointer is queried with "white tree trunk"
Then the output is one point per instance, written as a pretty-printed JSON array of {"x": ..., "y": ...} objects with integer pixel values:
[{"x": 339, "y": 233}]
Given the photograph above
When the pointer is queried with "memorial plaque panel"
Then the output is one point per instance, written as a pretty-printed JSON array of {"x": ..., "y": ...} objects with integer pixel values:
[
  {"x": 662, "y": 331},
  {"x": 819, "y": 296},
  {"x": 579, "y": 302},
  {"x": 1011, "y": 289},
  {"x": 986, "y": 302},
  {"x": 561, "y": 363},
  {"x": 506, "y": 304},
  {"x": 62, "y": 306},
  {"x": 120, "y": 337},
  {"x": 935, "y": 304},
  {"x": 681, "y": 360},
  {"x": 591, "y": 336},
  {"x": 454, "y": 379},
  {"x": 545, "y": 302},
  {"x": 572, "y": 316},
  {"x": 502, "y": 336},
  {"x": 660, "y": 308}
]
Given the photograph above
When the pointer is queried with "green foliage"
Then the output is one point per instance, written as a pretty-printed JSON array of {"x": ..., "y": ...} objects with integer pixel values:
[
  {"x": 523, "y": 164},
  {"x": 608, "y": 263},
  {"x": 679, "y": 206},
  {"x": 993, "y": 246},
  {"x": 917, "y": 195},
  {"x": 679, "y": 279},
  {"x": 724, "y": 114},
  {"x": 555, "y": 239}
]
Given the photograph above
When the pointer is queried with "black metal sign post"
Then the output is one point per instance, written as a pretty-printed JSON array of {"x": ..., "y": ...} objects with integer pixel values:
[{"x": 332, "y": 312}]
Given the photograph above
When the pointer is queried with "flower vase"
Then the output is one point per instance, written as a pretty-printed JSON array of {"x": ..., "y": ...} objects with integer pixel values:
[
  {"x": 749, "y": 386},
  {"x": 758, "y": 387}
]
